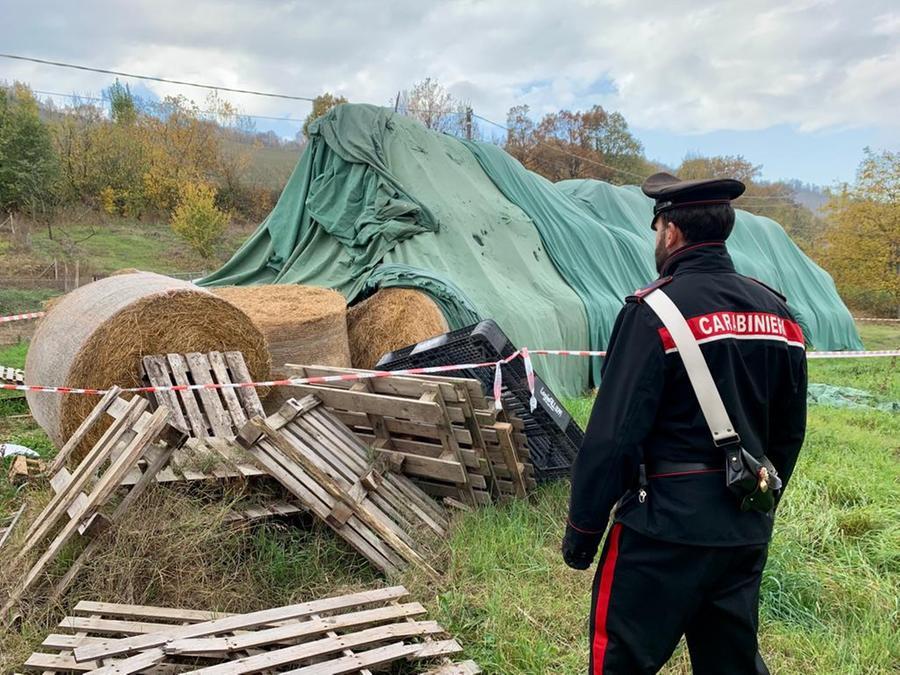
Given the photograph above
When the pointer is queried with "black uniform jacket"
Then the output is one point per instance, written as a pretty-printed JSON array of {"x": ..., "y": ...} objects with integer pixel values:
[{"x": 646, "y": 409}]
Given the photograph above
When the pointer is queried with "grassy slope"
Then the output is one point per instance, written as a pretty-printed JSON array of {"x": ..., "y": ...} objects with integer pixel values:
[{"x": 829, "y": 594}]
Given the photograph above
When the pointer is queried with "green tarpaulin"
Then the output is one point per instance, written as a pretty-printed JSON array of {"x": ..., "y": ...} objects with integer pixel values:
[{"x": 377, "y": 200}]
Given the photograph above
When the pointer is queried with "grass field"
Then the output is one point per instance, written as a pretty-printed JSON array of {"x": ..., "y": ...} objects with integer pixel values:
[{"x": 831, "y": 591}]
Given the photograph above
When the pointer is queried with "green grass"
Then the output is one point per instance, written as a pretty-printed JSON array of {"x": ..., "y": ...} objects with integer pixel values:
[
  {"x": 14, "y": 355},
  {"x": 104, "y": 244},
  {"x": 830, "y": 595},
  {"x": 19, "y": 300},
  {"x": 878, "y": 376}
]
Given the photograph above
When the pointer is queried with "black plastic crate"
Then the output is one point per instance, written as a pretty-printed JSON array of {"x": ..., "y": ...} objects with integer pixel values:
[{"x": 553, "y": 436}]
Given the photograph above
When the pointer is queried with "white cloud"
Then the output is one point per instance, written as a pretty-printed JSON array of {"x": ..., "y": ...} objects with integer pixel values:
[{"x": 678, "y": 65}]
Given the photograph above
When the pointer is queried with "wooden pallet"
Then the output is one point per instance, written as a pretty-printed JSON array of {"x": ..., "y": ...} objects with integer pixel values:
[
  {"x": 411, "y": 426},
  {"x": 344, "y": 634},
  {"x": 24, "y": 469},
  {"x": 465, "y": 435},
  {"x": 76, "y": 508},
  {"x": 204, "y": 413},
  {"x": 384, "y": 516},
  {"x": 12, "y": 375}
]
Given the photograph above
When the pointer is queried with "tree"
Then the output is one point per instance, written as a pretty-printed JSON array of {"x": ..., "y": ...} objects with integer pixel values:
[
  {"x": 862, "y": 243},
  {"x": 197, "y": 220},
  {"x": 435, "y": 107},
  {"x": 29, "y": 167},
  {"x": 776, "y": 200},
  {"x": 321, "y": 105},
  {"x": 694, "y": 167},
  {"x": 122, "y": 106},
  {"x": 566, "y": 144}
]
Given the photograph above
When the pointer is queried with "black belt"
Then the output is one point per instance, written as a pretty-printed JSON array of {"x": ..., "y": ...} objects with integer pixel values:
[{"x": 660, "y": 468}]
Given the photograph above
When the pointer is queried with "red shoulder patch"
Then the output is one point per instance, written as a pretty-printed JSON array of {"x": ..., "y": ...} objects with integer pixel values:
[{"x": 646, "y": 290}]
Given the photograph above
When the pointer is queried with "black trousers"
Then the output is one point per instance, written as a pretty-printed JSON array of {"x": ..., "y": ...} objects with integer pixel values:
[{"x": 648, "y": 593}]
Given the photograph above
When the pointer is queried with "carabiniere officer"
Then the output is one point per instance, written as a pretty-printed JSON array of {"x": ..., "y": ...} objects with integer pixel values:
[{"x": 682, "y": 558}]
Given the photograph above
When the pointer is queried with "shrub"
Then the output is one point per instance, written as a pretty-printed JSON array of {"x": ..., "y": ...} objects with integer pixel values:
[{"x": 197, "y": 219}]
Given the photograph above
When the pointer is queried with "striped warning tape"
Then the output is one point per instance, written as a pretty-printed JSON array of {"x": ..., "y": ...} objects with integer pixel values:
[
  {"x": 321, "y": 379},
  {"x": 853, "y": 355},
  {"x": 21, "y": 317},
  {"x": 524, "y": 353},
  {"x": 875, "y": 319}
]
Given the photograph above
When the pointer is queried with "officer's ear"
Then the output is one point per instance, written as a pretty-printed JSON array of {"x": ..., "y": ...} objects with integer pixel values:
[{"x": 674, "y": 236}]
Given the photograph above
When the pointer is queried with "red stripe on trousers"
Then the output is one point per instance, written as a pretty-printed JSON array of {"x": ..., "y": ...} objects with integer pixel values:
[{"x": 600, "y": 640}]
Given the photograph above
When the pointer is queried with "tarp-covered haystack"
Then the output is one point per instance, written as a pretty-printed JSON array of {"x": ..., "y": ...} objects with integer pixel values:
[{"x": 379, "y": 201}]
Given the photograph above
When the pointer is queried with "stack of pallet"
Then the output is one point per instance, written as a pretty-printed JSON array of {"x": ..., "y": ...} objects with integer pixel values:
[
  {"x": 327, "y": 468},
  {"x": 83, "y": 503},
  {"x": 440, "y": 431},
  {"x": 344, "y": 634}
]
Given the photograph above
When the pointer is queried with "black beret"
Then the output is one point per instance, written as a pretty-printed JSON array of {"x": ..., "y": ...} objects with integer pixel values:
[{"x": 670, "y": 192}]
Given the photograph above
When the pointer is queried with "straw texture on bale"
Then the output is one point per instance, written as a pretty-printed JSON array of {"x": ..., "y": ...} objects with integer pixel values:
[
  {"x": 390, "y": 319},
  {"x": 95, "y": 337},
  {"x": 302, "y": 324}
]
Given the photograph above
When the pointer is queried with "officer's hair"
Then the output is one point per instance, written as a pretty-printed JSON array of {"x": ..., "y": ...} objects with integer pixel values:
[{"x": 702, "y": 223}]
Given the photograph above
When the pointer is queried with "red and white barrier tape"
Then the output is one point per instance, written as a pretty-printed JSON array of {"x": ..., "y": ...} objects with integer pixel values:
[
  {"x": 875, "y": 319},
  {"x": 21, "y": 317},
  {"x": 322, "y": 379},
  {"x": 853, "y": 355}
]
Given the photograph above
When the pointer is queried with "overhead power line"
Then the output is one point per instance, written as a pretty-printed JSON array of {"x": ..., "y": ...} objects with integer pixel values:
[
  {"x": 79, "y": 97},
  {"x": 61, "y": 64}
]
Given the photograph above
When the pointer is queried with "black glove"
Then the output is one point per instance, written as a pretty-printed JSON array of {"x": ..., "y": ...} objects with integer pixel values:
[{"x": 579, "y": 548}]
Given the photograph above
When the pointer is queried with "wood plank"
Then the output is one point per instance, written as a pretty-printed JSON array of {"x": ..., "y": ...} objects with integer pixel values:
[
  {"x": 318, "y": 648},
  {"x": 219, "y": 420},
  {"x": 156, "y": 368},
  {"x": 179, "y": 369},
  {"x": 380, "y": 656},
  {"x": 83, "y": 429},
  {"x": 377, "y": 404},
  {"x": 108, "y": 482},
  {"x": 327, "y": 482},
  {"x": 248, "y": 395},
  {"x": 167, "y": 614},
  {"x": 232, "y": 402},
  {"x": 95, "y": 626},
  {"x": 7, "y": 533},
  {"x": 446, "y": 470},
  {"x": 237, "y": 622},
  {"x": 293, "y": 631},
  {"x": 83, "y": 474}
]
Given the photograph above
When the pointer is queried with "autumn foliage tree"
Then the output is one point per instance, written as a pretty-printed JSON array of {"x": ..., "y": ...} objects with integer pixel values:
[
  {"x": 776, "y": 200},
  {"x": 580, "y": 144},
  {"x": 862, "y": 243},
  {"x": 321, "y": 105}
]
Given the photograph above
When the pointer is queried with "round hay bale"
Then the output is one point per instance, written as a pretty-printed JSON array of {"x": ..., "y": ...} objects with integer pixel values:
[
  {"x": 302, "y": 324},
  {"x": 390, "y": 319},
  {"x": 95, "y": 337}
]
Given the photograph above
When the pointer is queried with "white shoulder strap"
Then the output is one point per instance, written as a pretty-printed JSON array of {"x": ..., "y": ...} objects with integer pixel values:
[{"x": 711, "y": 404}]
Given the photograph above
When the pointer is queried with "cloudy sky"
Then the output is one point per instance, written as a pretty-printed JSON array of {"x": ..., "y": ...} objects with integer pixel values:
[{"x": 799, "y": 87}]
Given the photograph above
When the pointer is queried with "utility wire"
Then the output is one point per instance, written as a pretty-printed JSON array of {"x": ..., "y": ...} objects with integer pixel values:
[
  {"x": 206, "y": 112},
  {"x": 61, "y": 64}
]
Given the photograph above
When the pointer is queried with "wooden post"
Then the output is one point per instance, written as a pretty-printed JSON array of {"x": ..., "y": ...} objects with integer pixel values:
[{"x": 77, "y": 265}]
